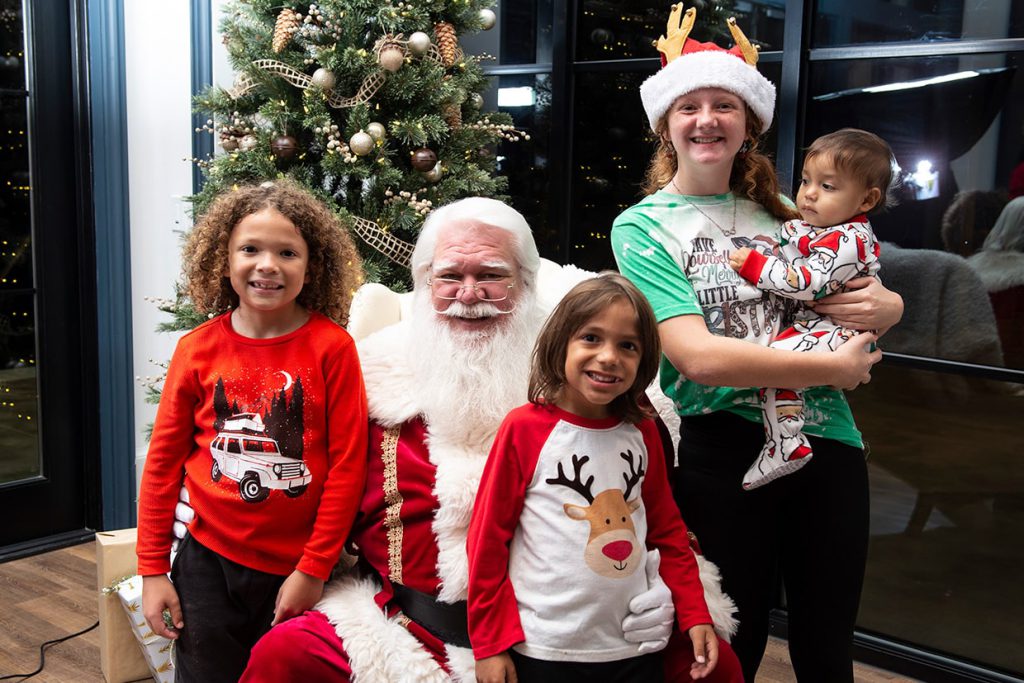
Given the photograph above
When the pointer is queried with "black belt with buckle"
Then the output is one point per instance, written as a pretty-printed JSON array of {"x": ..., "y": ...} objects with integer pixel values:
[{"x": 447, "y": 621}]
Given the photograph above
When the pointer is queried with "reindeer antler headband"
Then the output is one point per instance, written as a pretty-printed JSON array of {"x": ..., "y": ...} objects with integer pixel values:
[{"x": 689, "y": 65}]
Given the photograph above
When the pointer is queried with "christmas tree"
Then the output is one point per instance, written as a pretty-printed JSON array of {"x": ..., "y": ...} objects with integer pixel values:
[{"x": 370, "y": 104}]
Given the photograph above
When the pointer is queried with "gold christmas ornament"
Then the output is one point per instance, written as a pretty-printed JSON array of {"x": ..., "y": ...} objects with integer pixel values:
[
  {"x": 434, "y": 174},
  {"x": 324, "y": 79},
  {"x": 361, "y": 143},
  {"x": 376, "y": 131},
  {"x": 288, "y": 22},
  {"x": 391, "y": 57},
  {"x": 447, "y": 42},
  {"x": 419, "y": 43},
  {"x": 487, "y": 19}
]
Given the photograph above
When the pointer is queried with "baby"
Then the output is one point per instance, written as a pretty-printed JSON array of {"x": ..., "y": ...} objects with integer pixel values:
[{"x": 846, "y": 175}]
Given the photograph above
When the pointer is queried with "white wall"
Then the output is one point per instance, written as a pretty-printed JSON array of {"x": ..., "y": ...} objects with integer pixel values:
[{"x": 158, "y": 74}]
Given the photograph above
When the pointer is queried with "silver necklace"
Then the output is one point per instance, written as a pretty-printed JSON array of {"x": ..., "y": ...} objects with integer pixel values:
[{"x": 727, "y": 233}]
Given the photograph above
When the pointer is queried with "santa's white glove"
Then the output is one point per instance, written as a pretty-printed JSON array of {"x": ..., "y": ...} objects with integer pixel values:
[
  {"x": 183, "y": 516},
  {"x": 651, "y": 614}
]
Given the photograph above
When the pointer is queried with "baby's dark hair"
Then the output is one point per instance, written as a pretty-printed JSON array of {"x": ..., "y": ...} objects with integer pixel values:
[
  {"x": 334, "y": 269},
  {"x": 863, "y": 155},
  {"x": 583, "y": 302}
]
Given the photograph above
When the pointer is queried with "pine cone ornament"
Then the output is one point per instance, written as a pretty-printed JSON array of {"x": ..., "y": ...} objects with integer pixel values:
[
  {"x": 452, "y": 114},
  {"x": 447, "y": 42},
  {"x": 288, "y": 22}
]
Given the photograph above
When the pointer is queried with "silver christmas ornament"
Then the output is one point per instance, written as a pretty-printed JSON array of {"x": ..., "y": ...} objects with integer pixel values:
[
  {"x": 324, "y": 79},
  {"x": 361, "y": 143},
  {"x": 248, "y": 142},
  {"x": 376, "y": 131},
  {"x": 476, "y": 100},
  {"x": 487, "y": 19},
  {"x": 419, "y": 43}
]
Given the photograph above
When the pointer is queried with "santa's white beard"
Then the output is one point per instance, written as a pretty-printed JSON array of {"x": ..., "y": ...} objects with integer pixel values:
[{"x": 469, "y": 380}]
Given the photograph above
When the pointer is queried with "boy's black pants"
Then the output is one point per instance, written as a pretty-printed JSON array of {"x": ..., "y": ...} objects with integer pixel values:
[{"x": 226, "y": 608}]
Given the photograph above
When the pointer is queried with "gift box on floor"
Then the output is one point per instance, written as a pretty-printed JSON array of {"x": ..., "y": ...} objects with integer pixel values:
[
  {"x": 156, "y": 649},
  {"x": 121, "y": 657}
]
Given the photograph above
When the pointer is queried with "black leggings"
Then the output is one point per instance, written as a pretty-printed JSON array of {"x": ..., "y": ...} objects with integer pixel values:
[{"x": 811, "y": 526}]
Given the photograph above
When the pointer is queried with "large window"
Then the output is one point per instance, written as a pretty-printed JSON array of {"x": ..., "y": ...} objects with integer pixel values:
[
  {"x": 48, "y": 453},
  {"x": 947, "y": 483},
  {"x": 941, "y": 80},
  {"x": 19, "y": 392}
]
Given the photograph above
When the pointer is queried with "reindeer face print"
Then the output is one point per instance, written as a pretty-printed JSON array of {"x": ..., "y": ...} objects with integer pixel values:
[{"x": 612, "y": 549}]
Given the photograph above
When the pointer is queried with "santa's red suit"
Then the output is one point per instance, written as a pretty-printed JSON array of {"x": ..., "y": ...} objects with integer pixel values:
[{"x": 411, "y": 531}]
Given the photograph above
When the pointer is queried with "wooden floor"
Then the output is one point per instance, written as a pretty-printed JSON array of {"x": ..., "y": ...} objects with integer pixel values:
[{"x": 49, "y": 596}]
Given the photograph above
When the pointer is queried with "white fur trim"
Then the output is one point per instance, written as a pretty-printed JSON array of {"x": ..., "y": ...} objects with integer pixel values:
[
  {"x": 998, "y": 270},
  {"x": 461, "y": 663},
  {"x": 708, "y": 69},
  {"x": 380, "y": 650},
  {"x": 390, "y": 389},
  {"x": 720, "y": 605},
  {"x": 457, "y": 479}
]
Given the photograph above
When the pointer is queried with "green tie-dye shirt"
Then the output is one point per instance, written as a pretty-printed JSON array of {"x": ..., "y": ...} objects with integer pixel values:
[{"x": 680, "y": 260}]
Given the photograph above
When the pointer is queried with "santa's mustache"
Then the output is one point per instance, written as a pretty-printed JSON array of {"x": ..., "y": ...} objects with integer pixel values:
[{"x": 482, "y": 309}]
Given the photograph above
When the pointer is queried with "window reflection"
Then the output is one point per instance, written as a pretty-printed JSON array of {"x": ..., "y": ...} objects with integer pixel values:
[
  {"x": 527, "y": 99},
  {"x": 12, "y": 45},
  {"x": 613, "y": 145},
  {"x": 947, "y": 512},
  {"x": 840, "y": 22},
  {"x": 19, "y": 393},
  {"x": 955, "y": 126},
  {"x": 626, "y": 29},
  {"x": 522, "y": 34}
]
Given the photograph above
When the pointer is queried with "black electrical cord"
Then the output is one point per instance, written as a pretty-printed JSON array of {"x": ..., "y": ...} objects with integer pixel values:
[{"x": 42, "y": 653}]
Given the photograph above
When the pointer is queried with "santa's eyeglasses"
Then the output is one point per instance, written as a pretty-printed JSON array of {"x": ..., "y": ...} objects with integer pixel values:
[{"x": 491, "y": 291}]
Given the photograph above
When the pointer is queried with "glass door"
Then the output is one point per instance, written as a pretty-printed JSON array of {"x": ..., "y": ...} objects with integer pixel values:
[{"x": 46, "y": 453}]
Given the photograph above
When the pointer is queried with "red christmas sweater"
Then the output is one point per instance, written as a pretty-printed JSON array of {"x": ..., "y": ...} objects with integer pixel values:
[
  {"x": 271, "y": 436},
  {"x": 566, "y": 511}
]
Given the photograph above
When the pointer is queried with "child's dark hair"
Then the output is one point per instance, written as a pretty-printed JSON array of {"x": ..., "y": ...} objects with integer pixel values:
[
  {"x": 863, "y": 155},
  {"x": 334, "y": 269},
  {"x": 582, "y": 303}
]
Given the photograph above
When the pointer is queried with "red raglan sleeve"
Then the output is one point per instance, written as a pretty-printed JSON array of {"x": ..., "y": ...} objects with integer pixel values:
[
  {"x": 347, "y": 426},
  {"x": 667, "y": 532},
  {"x": 169, "y": 447},
  {"x": 494, "y": 624}
]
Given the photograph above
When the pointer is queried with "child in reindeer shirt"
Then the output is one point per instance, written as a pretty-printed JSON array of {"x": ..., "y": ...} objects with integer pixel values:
[
  {"x": 574, "y": 513},
  {"x": 846, "y": 175}
]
